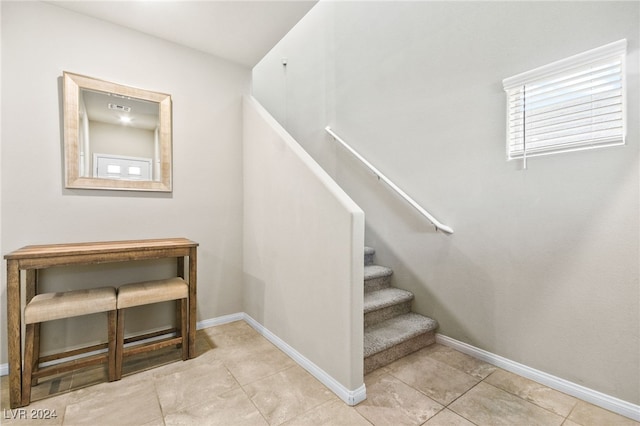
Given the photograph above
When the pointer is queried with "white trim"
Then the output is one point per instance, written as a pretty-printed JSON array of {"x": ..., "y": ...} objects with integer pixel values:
[
  {"x": 600, "y": 399},
  {"x": 350, "y": 397},
  {"x": 542, "y": 117},
  {"x": 353, "y": 397},
  {"x": 616, "y": 48},
  {"x": 212, "y": 322},
  {"x": 4, "y": 368}
]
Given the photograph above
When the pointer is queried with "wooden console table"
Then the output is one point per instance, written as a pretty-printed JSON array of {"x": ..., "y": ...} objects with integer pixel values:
[{"x": 33, "y": 258}]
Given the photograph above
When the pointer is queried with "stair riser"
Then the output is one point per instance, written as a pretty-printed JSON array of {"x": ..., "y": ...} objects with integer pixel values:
[
  {"x": 379, "y": 315},
  {"x": 373, "y": 284},
  {"x": 396, "y": 352},
  {"x": 368, "y": 259}
]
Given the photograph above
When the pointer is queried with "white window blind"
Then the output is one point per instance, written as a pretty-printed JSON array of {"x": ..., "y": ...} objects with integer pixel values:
[{"x": 572, "y": 104}]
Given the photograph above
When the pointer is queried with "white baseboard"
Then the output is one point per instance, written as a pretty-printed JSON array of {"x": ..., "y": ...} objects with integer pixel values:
[
  {"x": 353, "y": 397},
  {"x": 4, "y": 368},
  {"x": 350, "y": 397},
  {"x": 594, "y": 397},
  {"x": 220, "y": 320}
]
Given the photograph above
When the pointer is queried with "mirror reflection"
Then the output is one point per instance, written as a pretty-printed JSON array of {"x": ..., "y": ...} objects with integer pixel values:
[{"x": 116, "y": 137}]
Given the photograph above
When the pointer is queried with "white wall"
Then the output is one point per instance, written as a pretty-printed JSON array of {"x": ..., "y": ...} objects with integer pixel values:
[
  {"x": 39, "y": 42},
  {"x": 303, "y": 251},
  {"x": 543, "y": 266}
]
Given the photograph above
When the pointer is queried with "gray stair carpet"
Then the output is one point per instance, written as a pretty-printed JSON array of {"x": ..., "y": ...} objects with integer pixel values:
[{"x": 391, "y": 330}]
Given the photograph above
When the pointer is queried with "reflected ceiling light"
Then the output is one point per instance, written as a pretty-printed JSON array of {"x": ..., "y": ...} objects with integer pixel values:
[{"x": 119, "y": 107}]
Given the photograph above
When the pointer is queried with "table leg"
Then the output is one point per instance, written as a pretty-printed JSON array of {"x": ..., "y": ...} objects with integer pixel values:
[
  {"x": 31, "y": 289},
  {"x": 183, "y": 311},
  {"x": 180, "y": 265},
  {"x": 14, "y": 334},
  {"x": 193, "y": 279}
]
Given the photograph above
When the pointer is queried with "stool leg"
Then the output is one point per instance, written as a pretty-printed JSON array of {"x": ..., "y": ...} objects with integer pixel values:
[
  {"x": 183, "y": 329},
  {"x": 119, "y": 344},
  {"x": 112, "y": 332},
  {"x": 28, "y": 364},
  {"x": 36, "y": 351},
  {"x": 179, "y": 311}
]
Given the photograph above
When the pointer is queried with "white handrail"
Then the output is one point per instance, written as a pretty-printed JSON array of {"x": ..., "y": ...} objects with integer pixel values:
[{"x": 379, "y": 175}]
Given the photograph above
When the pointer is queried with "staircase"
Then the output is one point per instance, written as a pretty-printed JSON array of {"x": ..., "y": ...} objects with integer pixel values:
[{"x": 391, "y": 330}]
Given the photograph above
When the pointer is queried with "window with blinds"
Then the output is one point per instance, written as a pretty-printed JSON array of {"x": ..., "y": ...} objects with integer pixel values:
[{"x": 573, "y": 104}]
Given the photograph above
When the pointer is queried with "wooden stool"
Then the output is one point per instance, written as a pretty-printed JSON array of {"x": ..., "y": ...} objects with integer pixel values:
[
  {"x": 145, "y": 293},
  {"x": 52, "y": 306}
]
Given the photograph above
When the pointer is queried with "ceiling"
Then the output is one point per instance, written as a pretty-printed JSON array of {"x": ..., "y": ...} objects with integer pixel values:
[
  {"x": 237, "y": 30},
  {"x": 110, "y": 108}
]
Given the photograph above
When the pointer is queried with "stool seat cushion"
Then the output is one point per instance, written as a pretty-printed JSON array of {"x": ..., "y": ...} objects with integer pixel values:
[
  {"x": 145, "y": 293},
  {"x": 52, "y": 306}
]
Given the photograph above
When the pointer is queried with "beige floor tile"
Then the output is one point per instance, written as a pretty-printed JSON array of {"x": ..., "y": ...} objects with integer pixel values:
[
  {"x": 488, "y": 405},
  {"x": 374, "y": 376},
  {"x": 51, "y": 386},
  {"x": 254, "y": 360},
  {"x": 192, "y": 386},
  {"x": 203, "y": 342},
  {"x": 392, "y": 402},
  {"x": 230, "y": 408},
  {"x": 155, "y": 422},
  {"x": 448, "y": 418},
  {"x": 4, "y": 392},
  {"x": 230, "y": 334},
  {"x": 434, "y": 378},
  {"x": 46, "y": 412},
  {"x": 331, "y": 413},
  {"x": 287, "y": 394},
  {"x": 462, "y": 362},
  {"x": 89, "y": 376},
  {"x": 163, "y": 357},
  {"x": 231, "y": 346},
  {"x": 586, "y": 414},
  {"x": 547, "y": 398},
  {"x": 105, "y": 390},
  {"x": 207, "y": 358},
  {"x": 136, "y": 363},
  {"x": 204, "y": 390},
  {"x": 127, "y": 402}
]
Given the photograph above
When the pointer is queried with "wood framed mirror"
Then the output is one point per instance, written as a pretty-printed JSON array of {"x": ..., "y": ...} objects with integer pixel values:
[{"x": 116, "y": 137}]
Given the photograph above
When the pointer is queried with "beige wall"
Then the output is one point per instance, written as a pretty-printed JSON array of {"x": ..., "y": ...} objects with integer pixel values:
[
  {"x": 543, "y": 266},
  {"x": 39, "y": 42},
  {"x": 303, "y": 251}
]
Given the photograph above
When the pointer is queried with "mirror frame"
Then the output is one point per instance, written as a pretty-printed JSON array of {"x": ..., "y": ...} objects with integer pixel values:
[{"x": 72, "y": 83}]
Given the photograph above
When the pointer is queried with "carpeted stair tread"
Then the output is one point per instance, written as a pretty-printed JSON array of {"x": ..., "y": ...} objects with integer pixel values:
[
  {"x": 376, "y": 271},
  {"x": 385, "y": 297},
  {"x": 384, "y": 335}
]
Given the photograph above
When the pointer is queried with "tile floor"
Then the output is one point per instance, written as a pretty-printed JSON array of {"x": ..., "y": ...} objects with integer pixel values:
[{"x": 240, "y": 378}]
